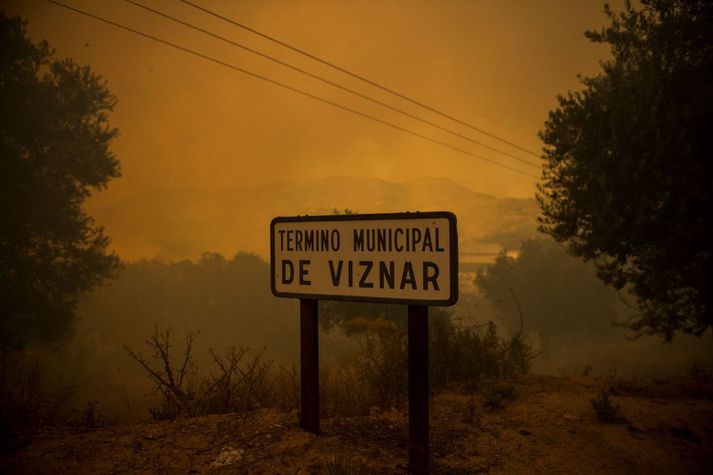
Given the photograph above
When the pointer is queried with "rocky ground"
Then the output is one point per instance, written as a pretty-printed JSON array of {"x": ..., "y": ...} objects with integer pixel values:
[{"x": 550, "y": 427}]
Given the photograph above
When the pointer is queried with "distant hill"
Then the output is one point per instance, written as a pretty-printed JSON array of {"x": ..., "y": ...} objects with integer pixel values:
[{"x": 178, "y": 223}]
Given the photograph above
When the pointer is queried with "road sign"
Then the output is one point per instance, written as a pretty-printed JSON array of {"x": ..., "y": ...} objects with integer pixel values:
[{"x": 409, "y": 258}]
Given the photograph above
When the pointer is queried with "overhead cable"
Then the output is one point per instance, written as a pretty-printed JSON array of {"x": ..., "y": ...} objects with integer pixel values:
[
  {"x": 286, "y": 86},
  {"x": 359, "y": 77},
  {"x": 331, "y": 83}
]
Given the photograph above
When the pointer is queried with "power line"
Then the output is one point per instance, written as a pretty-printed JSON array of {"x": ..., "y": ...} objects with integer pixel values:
[
  {"x": 360, "y": 77},
  {"x": 285, "y": 86},
  {"x": 327, "y": 81}
]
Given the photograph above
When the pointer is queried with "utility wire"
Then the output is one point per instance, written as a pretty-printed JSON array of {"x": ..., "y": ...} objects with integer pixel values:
[
  {"x": 360, "y": 77},
  {"x": 331, "y": 83},
  {"x": 285, "y": 86}
]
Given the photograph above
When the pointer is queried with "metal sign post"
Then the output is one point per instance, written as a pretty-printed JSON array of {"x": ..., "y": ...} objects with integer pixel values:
[
  {"x": 418, "y": 388},
  {"x": 407, "y": 258},
  {"x": 309, "y": 366}
]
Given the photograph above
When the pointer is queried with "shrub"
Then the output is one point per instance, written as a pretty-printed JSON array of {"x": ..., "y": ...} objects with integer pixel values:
[
  {"x": 285, "y": 383},
  {"x": 464, "y": 356},
  {"x": 343, "y": 392},
  {"x": 461, "y": 358},
  {"x": 497, "y": 393},
  {"x": 604, "y": 408},
  {"x": 239, "y": 383},
  {"x": 382, "y": 362},
  {"x": 344, "y": 464}
]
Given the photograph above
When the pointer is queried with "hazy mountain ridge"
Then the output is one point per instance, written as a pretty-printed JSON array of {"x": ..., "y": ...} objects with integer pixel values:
[{"x": 178, "y": 223}]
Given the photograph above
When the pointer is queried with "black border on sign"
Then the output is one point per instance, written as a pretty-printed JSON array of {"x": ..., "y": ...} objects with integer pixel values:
[{"x": 453, "y": 231}]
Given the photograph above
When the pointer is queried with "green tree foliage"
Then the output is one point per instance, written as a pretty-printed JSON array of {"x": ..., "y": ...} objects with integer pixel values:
[
  {"x": 54, "y": 147},
  {"x": 628, "y": 172},
  {"x": 556, "y": 293}
]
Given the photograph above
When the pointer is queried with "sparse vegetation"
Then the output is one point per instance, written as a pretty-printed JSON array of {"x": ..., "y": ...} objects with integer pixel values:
[
  {"x": 342, "y": 463},
  {"x": 462, "y": 359},
  {"x": 238, "y": 383},
  {"x": 497, "y": 393},
  {"x": 27, "y": 400},
  {"x": 604, "y": 407}
]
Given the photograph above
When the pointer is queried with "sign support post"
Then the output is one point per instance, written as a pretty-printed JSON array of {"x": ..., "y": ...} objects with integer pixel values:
[
  {"x": 418, "y": 389},
  {"x": 309, "y": 366}
]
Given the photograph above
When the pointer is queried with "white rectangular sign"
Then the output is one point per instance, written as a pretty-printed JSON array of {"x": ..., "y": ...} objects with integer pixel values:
[{"x": 406, "y": 257}]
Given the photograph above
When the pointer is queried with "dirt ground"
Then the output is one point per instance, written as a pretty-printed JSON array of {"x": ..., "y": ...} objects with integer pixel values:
[{"x": 549, "y": 428}]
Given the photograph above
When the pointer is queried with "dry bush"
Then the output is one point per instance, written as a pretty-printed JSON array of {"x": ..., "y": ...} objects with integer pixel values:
[
  {"x": 178, "y": 395},
  {"x": 381, "y": 362},
  {"x": 285, "y": 384},
  {"x": 473, "y": 360},
  {"x": 604, "y": 407},
  {"x": 461, "y": 358},
  {"x": 496, "y": 393},
  {"x": 464, "y": 357},
  {"x": 342, "y": 463},
  {"x": 238, "y": 383},
  {"x": 342, "y": 392},
  {"x": 469, "y": 359},
  {"x": 375, "y": 375}
]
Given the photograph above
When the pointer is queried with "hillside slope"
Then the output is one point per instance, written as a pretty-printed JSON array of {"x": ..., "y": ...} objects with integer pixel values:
[{"x": 180, "y": 223}]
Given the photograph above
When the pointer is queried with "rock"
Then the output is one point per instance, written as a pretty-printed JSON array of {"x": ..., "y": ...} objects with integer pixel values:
[{"x": 227, "y": 456}]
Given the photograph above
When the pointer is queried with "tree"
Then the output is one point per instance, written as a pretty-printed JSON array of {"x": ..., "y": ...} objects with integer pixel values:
[
  {"x": 553, "y": 292},
  {"x": 627, "y": 176},
  {"x": 54, "y": 147}
]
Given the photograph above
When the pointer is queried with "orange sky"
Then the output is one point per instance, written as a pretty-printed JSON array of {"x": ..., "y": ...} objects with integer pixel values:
[{"x": 187, "y": 122}]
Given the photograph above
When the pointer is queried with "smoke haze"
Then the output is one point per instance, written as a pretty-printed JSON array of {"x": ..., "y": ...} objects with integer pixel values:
[
  {"x": 210, "y": 155},
  {"x": 185, "y": 122}
]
